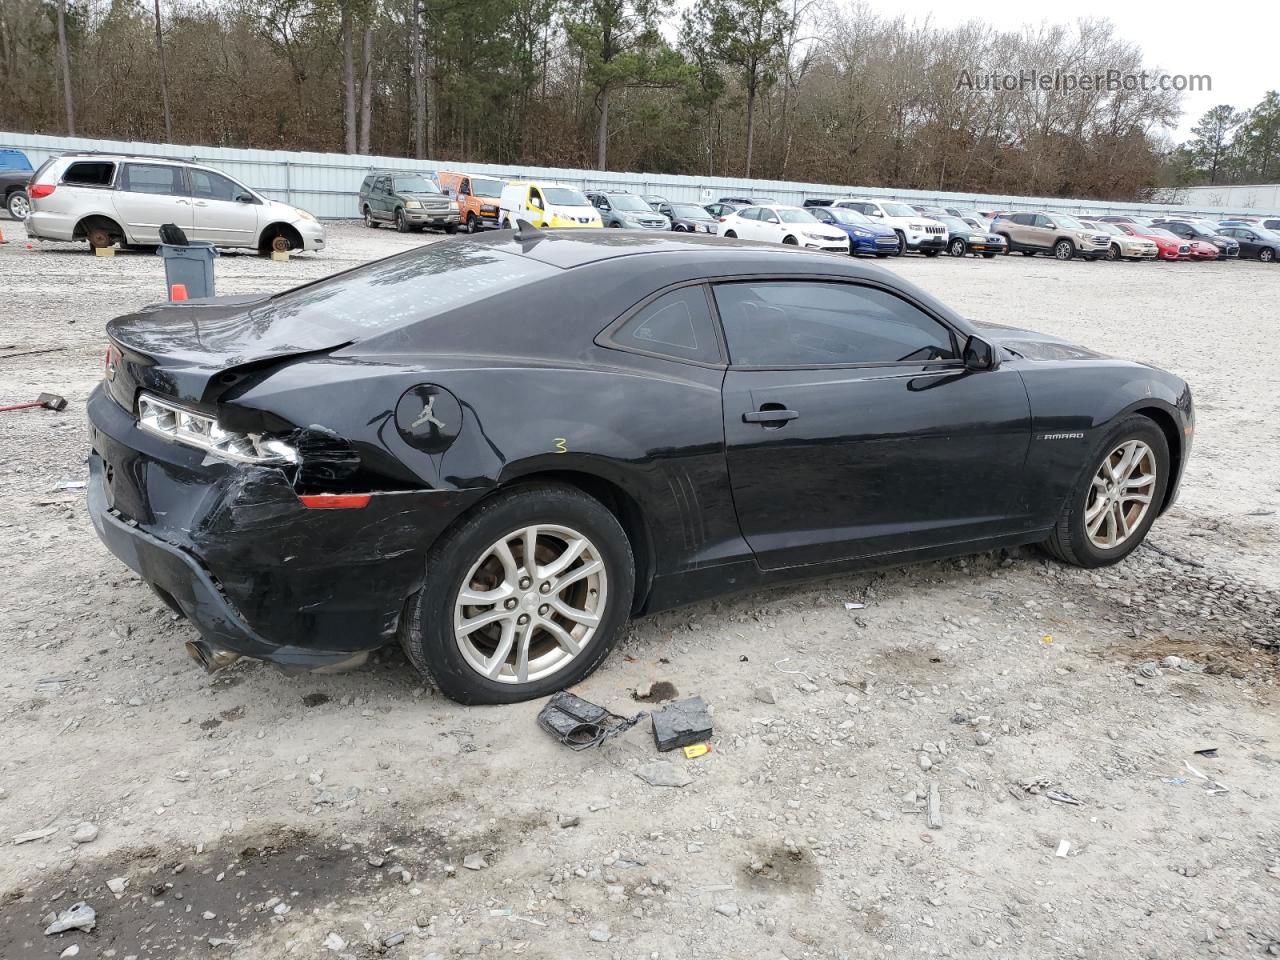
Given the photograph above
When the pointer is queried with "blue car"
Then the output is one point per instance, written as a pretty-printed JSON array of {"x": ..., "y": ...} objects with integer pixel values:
[{"x": 865, "y": 236}]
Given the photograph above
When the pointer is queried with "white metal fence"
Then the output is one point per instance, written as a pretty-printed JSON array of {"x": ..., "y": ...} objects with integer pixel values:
[{"x": 327, "y": 183}]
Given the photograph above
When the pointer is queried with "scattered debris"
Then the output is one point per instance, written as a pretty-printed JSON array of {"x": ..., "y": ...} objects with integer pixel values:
[
  {"x": 85, "y": 833},
  {"x": 933, "y": 818},
  {"x": 655, "y": 691},
  {"x": 727, "y": 909},
  {"x": 49, "y": 401},
  {"x": 78, "y": 916},
  {"x": 1212, "y": 786},
  {"x": 848, "y": 605},
  {"x": 566, "y": 822},
  {"x": 580, "y": 725},
  {"x": 695, "y": 750},
  {"x": 764, "y": 695},
  {"x": 1058, "y": 796},
  {"x": 34, "y": 835},
  {"x": 335, "y": 942},
  {"x": 475, "y": 861},
  {"x": 662, "y": 773},
  {"x": 1208, "y": 752},
  {"x": 1063, "y": 847},
  {"x": 117, "y": 885},
  {"x": 681, "y": 723}
]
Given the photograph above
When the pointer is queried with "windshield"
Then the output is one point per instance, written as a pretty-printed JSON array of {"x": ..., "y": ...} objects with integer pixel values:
[
  {"x": 898, "y": 210},
  {"x": 1162, "y": 234},
  {"x": 415, "y": 185},
  {"x": 1071, "y": 223},
  {"x": 792, "y": 215},
  {"x": 485, "y": 188},
  {"x": 847, "y": 216},
  {"x": 566, "y": 197},
  {"x": 955, "y": 223},
  {"x": 1110, "y": 228},
  {"x": 690, "y": 211},
  {"x": 395, "y": 292},
  {"x": 624, "y": 201}
]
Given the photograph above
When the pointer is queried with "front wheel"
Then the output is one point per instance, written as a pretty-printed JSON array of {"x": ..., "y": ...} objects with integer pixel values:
[
  {"x": 1114, "y": 253},
  {"x": 902, "y": 244},
  {"x": 526, "y": 596},
  {"x": 1064, "y": 250},
  {"x": 791, "y": 241},
  {"x": 19, "y": 206},
  {"x": 956, "y": 248},
  {"x": 402, "y": 222},
  {"x": 1116, "y": 498},
  {"x": 473, "y": 225},
  {"x": 931, "y": 253},
  {"x": 988, "y": 256}
]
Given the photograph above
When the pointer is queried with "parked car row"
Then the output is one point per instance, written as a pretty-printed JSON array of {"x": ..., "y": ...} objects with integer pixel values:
[{"x": 115, "y": 198}]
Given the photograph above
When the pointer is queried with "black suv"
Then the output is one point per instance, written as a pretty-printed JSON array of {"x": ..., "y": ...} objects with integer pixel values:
[
  {"x": 15, "y": 171},
  {"x": 407, "y": 199},
  {"x": 1227, "y": 247}
]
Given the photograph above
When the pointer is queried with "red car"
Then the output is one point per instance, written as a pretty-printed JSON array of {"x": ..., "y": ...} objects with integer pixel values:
[
  {"x": 1203, "y": 250},
  {"x": 1168, "y": 246}
]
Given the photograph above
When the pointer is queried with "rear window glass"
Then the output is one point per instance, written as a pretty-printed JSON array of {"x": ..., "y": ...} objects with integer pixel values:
[
  {"x": 392, "y": 293},
  {"x": 14, "y": 160},
  {"x": 90, "y": 173}
]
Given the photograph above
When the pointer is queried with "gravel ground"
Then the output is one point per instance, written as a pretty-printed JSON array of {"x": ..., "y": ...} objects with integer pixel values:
[{"x": 1055, "y": 714}]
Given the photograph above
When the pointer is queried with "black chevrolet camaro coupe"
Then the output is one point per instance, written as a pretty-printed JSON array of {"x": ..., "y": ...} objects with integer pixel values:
[{"x": 495, "y": 450}]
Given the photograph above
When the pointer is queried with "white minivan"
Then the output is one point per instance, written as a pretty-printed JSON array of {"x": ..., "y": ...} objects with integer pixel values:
[
  {"x": 108, "y": 199},
  {"x": 546, "y": 205}
]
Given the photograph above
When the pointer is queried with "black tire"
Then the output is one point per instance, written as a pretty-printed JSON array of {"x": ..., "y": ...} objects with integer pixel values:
[
  {"x": 616, "y": 225},
  {"x": 957, "y": 248},
  {"x": 881, "y": 255},
  {"x": 18, "y": 204},
  {"x": 988, "y": 256},
  {"x": 1027, "y": 253},
  {"x": 506, "y": 223},
  {"x": 451, "y": 228},
  {"x": 1064, "y": 250},
  {"x": 473, "y": 224},
  {"x": 931, "y": 253},
  {"x": 730, "y": 235},
  {"x": 426, "y": 631},
  {"x": 402, "y": 222},
  {"x": 1266, "y": 255},
  {"x": 1113, "y": 254},
  {"x": 1069, "y": 541},
  {"x": 791, "y": 241},
  {"x": 902, "y": 244},
  {"x": 369, "y": 222}
]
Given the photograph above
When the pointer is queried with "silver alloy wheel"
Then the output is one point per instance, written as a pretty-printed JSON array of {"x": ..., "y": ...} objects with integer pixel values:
[
  {"x": 531, "y": 604},
  {"x": 1120, "y": 494},
  {"x": 19, "y": 206},
  {"x": 368, "y": 218}
]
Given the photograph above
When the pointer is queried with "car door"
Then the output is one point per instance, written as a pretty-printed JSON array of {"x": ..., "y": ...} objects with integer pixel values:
[
  {"x": 225, "y": 212},
  {"x": 148, "y": 195},
  {"x": 770, "y": 227},
  {"x": 383, "y": 204},
  {"x": 853, "y": 430},
  {"x": 537, "y": 210}
]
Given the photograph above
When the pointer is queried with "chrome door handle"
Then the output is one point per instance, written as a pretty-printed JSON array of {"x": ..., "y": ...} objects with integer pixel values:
[{"x": 201, "y": 203}]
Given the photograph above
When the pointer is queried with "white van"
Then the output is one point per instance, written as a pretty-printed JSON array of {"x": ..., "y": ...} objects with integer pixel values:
[{"x": 546, "y": 205}]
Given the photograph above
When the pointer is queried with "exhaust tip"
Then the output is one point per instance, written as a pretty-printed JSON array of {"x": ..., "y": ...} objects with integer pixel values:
[{"x": 212, "y": 659}]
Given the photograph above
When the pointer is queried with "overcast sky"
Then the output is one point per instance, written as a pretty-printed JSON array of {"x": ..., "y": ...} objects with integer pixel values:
[{"x": 1235, "y": 43}]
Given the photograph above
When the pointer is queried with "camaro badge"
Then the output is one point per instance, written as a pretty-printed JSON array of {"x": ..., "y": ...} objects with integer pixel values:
[{"x": 1063, "y": 436}]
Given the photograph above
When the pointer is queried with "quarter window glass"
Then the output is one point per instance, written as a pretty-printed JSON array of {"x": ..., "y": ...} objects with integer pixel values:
[
  {"x": 90, "y": 174},
  {"x": 148, "y": 178},
  {"x": 677, "y": 325},
  {"x": 213, "y": 186},
  {"x": 811, "y": 324}
]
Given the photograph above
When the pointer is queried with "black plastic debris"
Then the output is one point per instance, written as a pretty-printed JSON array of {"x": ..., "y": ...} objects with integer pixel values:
[
  {"x": 681, "y": 723},
  {"x": 580, "y": 725}
]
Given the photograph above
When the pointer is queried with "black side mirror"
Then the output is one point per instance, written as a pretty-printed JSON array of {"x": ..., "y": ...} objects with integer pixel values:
[
  {"x": 980, "y": 355},
  {"x": 244, "y": 198}
]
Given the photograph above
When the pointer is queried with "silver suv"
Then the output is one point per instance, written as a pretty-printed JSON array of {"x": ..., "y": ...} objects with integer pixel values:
[{"x": 113, "y": 198}]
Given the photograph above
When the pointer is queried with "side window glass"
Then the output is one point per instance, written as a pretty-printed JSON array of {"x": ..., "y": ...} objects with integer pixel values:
[
  {"x": 90, "y": 174},
  {"x": 213, "y": 186},
  {"x": 676, "y": 325},
  {"x": 149, "y": 178},
  {"x": 814, "y": 323}
]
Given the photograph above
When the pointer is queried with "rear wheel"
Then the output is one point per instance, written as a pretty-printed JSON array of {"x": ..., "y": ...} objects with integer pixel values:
[
  {"x": 369, "y": 222},
  {"x": 18, "y": 205},
  {"x": 402, "y": 222},
  {"x": 730, "y": 235},
  {"x": 526, "y": 596},
  {"x": 1266, "y": 254},
  {"x": 1117, "y": 497}
]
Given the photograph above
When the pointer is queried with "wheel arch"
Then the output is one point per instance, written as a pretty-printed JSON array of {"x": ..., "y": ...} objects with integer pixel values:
[
  {"x": 92, "y": 220},
  {"x": 280, "y": 228},
  {"x": 617, "y": 500},
  {"x": 1173, "y": 436}
]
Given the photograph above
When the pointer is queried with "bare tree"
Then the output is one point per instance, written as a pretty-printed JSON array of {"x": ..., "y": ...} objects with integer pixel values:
[
  {"x": 366, "y": 88},
  {"x": 348, "y": 79},
  {"x": 164, "y": 79},
  {"x": 64, "y": 57}
]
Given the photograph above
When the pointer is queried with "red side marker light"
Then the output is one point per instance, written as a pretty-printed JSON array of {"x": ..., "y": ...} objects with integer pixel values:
[{"x": 335, "y": 501}]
